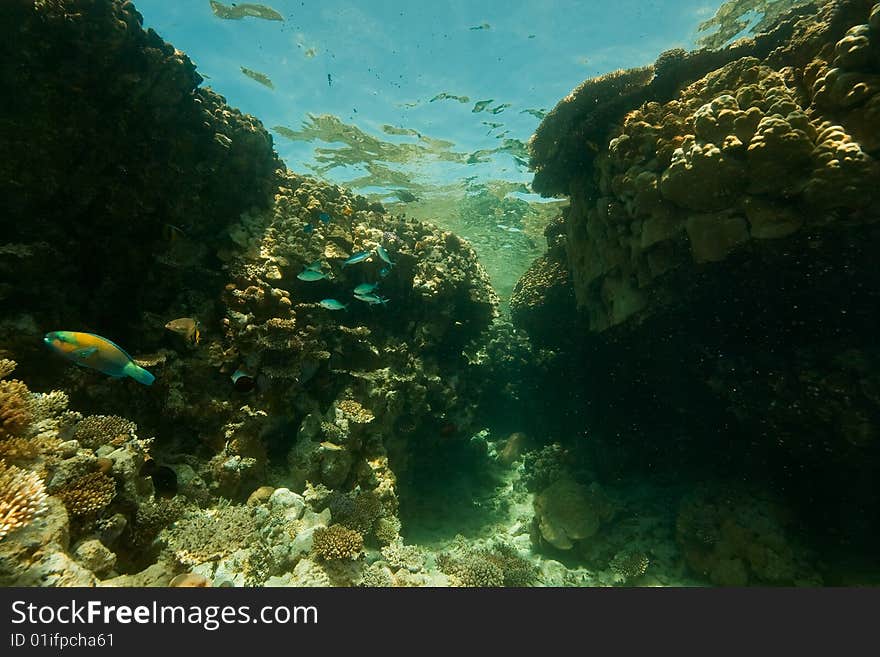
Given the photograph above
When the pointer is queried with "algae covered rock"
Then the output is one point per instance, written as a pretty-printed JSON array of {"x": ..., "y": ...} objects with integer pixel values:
[{"x": 567, "y": 512}]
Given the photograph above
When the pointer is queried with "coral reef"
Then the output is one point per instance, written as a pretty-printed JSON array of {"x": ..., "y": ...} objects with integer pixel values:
[
  {"x": 22, "y": 499},
  {"x": 87, "y": 494},
  {"x": 719, "y": 240},
  {"x": 337, "y": 542},
  {"x": 736, "y": 537},
  {"x": 140, "y": 153},
  {"x": 204, "y": 536}
]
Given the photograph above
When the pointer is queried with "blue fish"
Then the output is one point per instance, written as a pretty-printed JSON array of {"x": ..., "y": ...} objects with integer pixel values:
[
  {"x": 365, "y": 288},
  {"x": 332, "y": 304},
  {"x": 93, "y": 351},
  {"x": 308, "y": 228},
  {"x": 357, "y": 257},
  {"x": 384, "y": 254},
  {"x": 371, "y": 299},
  {"x": 315, "y": 266},
  {"x": 308, "y": 274},
  {"x": 324, "y": 217},
  {"x": 385, "y": 271}
]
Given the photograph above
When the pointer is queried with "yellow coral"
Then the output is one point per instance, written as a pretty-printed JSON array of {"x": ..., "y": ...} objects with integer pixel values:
[
  {"x": 96, "y": 430},
  {"x": 16, "y": 448},
  {"x": 89, "y": 493},
  {"x": 355, "y": 412},
  {"x": 7, "y": 367},
  {"x": 337, "y": 542},
  {"x": 15, "y": 408},
  {"x": 22, "y": 498}
]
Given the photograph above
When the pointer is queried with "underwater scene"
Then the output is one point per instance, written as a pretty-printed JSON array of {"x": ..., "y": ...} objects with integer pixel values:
[{"x": 392, "y": 294}]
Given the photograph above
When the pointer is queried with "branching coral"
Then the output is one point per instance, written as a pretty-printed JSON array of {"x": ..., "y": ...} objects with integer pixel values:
[
  {"x": 337, "y": 542},
  {"x": 15, "y": 409},
  {"x": 7, "y": 367},
  {"x": 397, "y": 555},
  {"x": 472, "y": 572},
  {"x": 96, "y": 430},
  {"x": 499, "y": 566},
  {"x": 87, "y": 494},
  {"x": 22, "y": 498}
]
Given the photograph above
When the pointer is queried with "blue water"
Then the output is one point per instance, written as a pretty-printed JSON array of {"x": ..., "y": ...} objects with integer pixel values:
[{"x": 387, "y": 60}]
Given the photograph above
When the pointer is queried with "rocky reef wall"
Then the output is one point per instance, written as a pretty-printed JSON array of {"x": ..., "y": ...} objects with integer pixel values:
[
  {"x": 719, "y": 245},
  {"x": 112, "y": 152},
  {"x": 137, "y": 197}
]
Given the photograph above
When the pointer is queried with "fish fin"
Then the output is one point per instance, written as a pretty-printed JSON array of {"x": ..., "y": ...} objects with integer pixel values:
[
  {"x": 138, "y": 373},
  {"x": 85, "y": 352}
]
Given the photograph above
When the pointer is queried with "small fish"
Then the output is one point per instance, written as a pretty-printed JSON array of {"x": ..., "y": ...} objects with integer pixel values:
[
  {"x": 262, "y": 78},
  {"x": 93, "y": 351},
  {"x": 499, "y": 108},
  {"x": 479, "y": 106},
  {"x": 360, "y": 256},
  {"x": 384, "y": 254},
  {"x": 315, "y": 266},
  {"x": 324, "y": 217},
  {"x": 308, "y": 228},
  {"x": 385, "y": 271},
  {"x": 329, "y": 80},
  {"x": 371, "y": 299},
  {"x": 187, "y": 328},
  {"x": 365, "y": 288},
  {"x": 308, "y": 274},
  {"x": 332, "y": 304},
  {"x": 347, "y": 210},
  {"x": 405, "y": 196}
]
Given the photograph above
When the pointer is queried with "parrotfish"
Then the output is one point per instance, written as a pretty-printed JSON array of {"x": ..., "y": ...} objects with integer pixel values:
[
  {"x": 185, "y": 327},
  {"x": 315, "y": 266},
  {"x": 365, "y": 288},
  {"x": 357, "y": 257},
  {"x": 93, "y": 351},
  {"x": 324, "y": 217},
  {"x": 371, "y": 299},
  {"x": 332, "y": 304},
  {"x": 384, "y": 254}
]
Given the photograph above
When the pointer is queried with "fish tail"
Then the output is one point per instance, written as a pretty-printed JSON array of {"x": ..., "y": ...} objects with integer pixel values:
[{"x": 139, "y": 374}]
